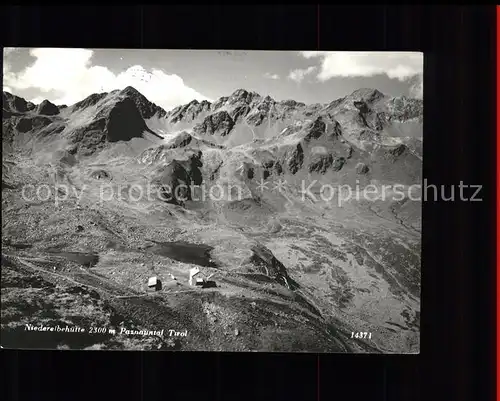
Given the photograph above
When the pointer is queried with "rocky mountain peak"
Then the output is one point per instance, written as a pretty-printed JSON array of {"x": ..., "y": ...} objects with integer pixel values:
[
  {"x": 146, "y": 108},
  {"x": 238, "y": 93},
  {"x": 291, "y": 103},
  {"x": 47, "y": 108},
  {"x": 242, "y": 95},
  {"x": 131, "y": 91},
  {"x": 367, "y": 95},
  {"x": 14, "y": 103}
]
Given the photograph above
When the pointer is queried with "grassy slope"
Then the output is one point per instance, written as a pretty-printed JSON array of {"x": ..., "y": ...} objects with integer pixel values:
[{"x": 117, "y": 230}]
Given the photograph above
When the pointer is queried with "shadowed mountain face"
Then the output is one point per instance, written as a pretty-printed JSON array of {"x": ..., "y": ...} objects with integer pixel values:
[{"x": 305, "y": 215}]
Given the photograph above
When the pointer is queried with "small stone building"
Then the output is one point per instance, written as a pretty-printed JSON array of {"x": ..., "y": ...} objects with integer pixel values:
[
  {"x": 154, "y": 284},
  {"x": 192, "y": 276}
]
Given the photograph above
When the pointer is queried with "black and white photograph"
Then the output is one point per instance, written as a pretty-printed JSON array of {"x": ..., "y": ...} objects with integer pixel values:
[{"x": 212, "y": 200}]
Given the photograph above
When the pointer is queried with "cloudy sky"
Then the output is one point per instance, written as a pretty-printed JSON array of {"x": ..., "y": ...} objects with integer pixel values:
[{"x": 173, "y": 77}]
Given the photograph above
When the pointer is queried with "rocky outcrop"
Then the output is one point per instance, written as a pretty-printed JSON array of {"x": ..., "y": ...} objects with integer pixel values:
[
  {"x": 89, "y": 139},
  {"x": 240, "y": 112},
  {"x": 249, "y": 172},
  {"x": 322, "y": 163},
  {"x": 266, "y": 262},
  {"x": 6, "y": 114},
  {"x": 402, "y": 109},
  {"x": 47, "y": 108},
  {"x": 316, "y": 130},
  {"x": 271, "y": 167},
  {"x": 264, "y": 110},
  {"x": 173, "y": 183},
  {"x": 361, "y": 106},
  {"x": 334, "y": 129},
  {"x": 336, "y": 103},
  {"x": 295, "y": 159},
  {"x": 256, "y": 118},
  {"x": 52, "y": 129},
  {"x": 177, "y": 179},
  {"x": 100, "y": 175},
  {"x": 368, "y": 96},
  {"x": 219, "y": 103},
  {"x": 219, "y": 123},
  {"x": 180, "y": 141},
  {"x": 396, "y": 151},
  {"x": 26, "y": 124},
  {"x": 362, "y": 168},
  {"x": 292, "y": 103},
  {"x": 370, "y": 118},
  {"x": 368, "y": 135}
]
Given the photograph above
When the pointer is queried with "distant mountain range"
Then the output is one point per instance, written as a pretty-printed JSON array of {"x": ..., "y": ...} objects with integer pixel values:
[{"x": 355, "y": 127}]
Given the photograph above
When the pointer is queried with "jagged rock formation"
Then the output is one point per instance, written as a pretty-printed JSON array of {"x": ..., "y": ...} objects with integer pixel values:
[
  {"x": 13, "y": 103},
  {"x": 190, "y": 111},
  {"x": 295, "y": 159},
  {"x": 219, "y": 123}
]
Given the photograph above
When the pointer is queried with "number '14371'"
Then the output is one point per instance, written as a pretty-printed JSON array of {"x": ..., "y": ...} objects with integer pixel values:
[{"x": 361, "y": 334}]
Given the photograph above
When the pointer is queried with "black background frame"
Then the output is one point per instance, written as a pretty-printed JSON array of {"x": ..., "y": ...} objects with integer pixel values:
[{"x": 458, "y": 252}]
